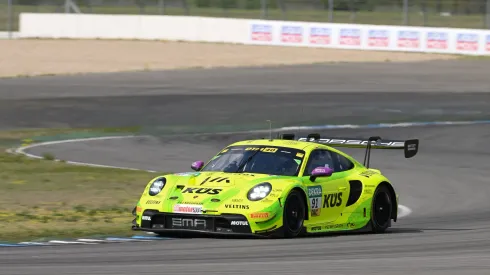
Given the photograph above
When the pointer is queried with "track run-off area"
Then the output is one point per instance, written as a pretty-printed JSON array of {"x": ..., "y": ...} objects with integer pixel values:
[{"x": 446, "y": 186}]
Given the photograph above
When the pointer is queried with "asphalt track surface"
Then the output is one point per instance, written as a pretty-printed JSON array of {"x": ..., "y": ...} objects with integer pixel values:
[{"x": 446, "y": 185}]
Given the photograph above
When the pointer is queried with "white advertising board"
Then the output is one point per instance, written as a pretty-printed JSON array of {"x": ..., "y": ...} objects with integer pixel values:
[{"x": 257, "y": 32}]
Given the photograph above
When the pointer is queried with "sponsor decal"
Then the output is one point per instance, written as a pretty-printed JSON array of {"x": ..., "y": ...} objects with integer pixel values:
[
  {"x": 411, "y": 147},
  {"x": 338, "y": 226},
  {"x": 487, "y": 42},
  {"x": 153, "y": 202},
  {"x": 467, "y": 42},
  {"x": 237, "y": 206},
  {"x": 315, "y": 197},
  {"x": 408, "y": 39},
  {"x": 188, "y": 208},
  {"x": 146, "y": 218},
  {"x": 291, "y": 34},
  {"x": 437, "y": 40},
  {"x": 316, "y": 228},
  {"x": 237, "y": 200},
  {"x": 138, "y": 209},
  {"x": 261, "y": 32},
  {"x": 368, "y": 173},
  {"x": 259, "y": 215},
  {"x": 208, "y": 191},
  {"x": 351, "y": 37},
  {"x": 187, "y": 223},
  {"x": 320, "y": 36},
  {"x": 218, "y": 179},
  {"x": 300, "y": 155},
  {"x": 244, "y": 223},
  {"x": 378, "y": 38},
  {"x": 263, "y": 149},
  {"x": 332, "y": 200},
  {"x": 334, "y": 226}
]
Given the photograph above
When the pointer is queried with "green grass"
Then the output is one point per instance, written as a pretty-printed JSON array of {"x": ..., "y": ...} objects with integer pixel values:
[
  {"x": 41, "y": 198},
  {"x": 388, "y": 17}
]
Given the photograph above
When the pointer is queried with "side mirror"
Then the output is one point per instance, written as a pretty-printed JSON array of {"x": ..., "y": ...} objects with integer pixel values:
[
  {"x": 197, "y": 165},
  {"x": 321, "y": 172}
]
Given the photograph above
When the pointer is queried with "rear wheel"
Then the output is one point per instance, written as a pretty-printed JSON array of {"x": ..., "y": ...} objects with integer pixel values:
[
  {"x": 381, "y": 209},
  {"x": 294, "y": 214}
]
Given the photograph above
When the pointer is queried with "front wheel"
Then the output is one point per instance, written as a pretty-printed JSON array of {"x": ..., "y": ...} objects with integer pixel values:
[
  {"x": 294, "y": 214},
  {"x": 381, "y": 209}
]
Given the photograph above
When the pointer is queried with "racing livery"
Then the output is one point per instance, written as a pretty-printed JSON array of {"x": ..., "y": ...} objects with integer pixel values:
[{"x": 282, "y": 187}]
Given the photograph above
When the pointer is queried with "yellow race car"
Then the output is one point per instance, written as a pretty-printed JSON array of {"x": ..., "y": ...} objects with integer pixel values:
[{"x": 275, "y": 187}]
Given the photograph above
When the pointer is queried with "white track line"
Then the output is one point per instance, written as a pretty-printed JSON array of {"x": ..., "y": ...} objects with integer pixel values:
[
  {"x": 402, "y": 210},
  {"x": 21, "y": 150}
]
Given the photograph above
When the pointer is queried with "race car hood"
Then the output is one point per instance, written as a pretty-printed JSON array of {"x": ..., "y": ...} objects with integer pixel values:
[
  {"x": 203, "y": 187},
  {"x": 214, "y": 192}
]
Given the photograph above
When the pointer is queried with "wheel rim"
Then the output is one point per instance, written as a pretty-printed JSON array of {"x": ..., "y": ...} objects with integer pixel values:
[
  {"x": 382, "y": 209},
  {"x": 294, "y": 214}
]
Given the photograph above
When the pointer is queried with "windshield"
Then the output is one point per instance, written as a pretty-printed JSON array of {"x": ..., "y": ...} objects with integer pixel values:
[{"x": 270, "y": 160}]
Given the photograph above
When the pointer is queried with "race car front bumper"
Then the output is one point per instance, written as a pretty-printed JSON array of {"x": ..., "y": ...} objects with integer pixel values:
[{"x": 225, "y": 224}]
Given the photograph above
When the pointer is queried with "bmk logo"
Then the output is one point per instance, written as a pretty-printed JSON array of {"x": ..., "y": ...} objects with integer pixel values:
[
  {"x": 467, "y": 42},
  {"x": 437, "y": 40},
  {"x": 408, "y": 39},
  {"x": 292, "y": 34},
  {"x": 320, "y": 36},
  {"x": 261, "y": 32},
  {"x": 351, "y": 37},
  {"x": 378, "y": 38},
  {"x": 487, "y": 43}
]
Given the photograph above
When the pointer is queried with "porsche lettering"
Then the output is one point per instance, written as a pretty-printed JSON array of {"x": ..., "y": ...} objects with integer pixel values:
[{"x": 355, "y": 142}]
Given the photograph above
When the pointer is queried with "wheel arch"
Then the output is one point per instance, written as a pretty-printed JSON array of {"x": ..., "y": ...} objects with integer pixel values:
[{"x": 394, "y": 206}]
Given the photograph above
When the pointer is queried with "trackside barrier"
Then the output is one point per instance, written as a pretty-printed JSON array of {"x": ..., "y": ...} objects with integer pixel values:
[{"x": 258, "y": 32}]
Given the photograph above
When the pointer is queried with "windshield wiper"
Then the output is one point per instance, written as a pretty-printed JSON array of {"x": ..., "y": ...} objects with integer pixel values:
[{"x": 248, "y": 159}]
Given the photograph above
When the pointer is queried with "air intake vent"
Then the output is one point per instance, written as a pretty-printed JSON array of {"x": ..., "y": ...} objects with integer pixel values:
[{"x": 355, "y": 192}]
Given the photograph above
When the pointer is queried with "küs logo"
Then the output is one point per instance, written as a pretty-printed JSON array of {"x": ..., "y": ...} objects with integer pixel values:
[
  {"x": 209, "y": 191},
  {"x": 332, "y": 200}
]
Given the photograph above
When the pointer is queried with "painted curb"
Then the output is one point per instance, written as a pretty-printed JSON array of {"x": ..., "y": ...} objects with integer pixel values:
[{"x": 88, "y": 241}]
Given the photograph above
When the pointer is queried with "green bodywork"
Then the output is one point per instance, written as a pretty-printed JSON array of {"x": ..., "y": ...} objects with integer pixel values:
[{"x": 227, "y": 194}]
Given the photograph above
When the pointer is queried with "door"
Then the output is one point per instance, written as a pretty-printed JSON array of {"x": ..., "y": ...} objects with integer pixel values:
[{"x": 327, "y": 196}]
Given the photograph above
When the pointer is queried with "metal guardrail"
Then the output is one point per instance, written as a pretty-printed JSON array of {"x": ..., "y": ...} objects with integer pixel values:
[{"x": 474, "y": 14}]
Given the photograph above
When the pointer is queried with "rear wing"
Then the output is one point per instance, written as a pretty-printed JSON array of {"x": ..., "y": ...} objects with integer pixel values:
[{"x": 410, "y": 147}]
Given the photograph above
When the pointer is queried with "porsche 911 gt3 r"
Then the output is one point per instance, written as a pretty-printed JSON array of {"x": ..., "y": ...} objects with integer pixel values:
[{"x": 275, "y": 187}]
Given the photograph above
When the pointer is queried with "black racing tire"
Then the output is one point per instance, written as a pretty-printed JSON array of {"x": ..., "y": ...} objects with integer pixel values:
[
  {"x": 381, "y": 209},
  {"x": 293, "y": 214}
]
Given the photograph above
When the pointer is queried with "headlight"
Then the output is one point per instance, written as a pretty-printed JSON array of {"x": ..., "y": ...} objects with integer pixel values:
[
  {"x": 157, "y": 186},
  {"x": 259, "y": 191}
]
